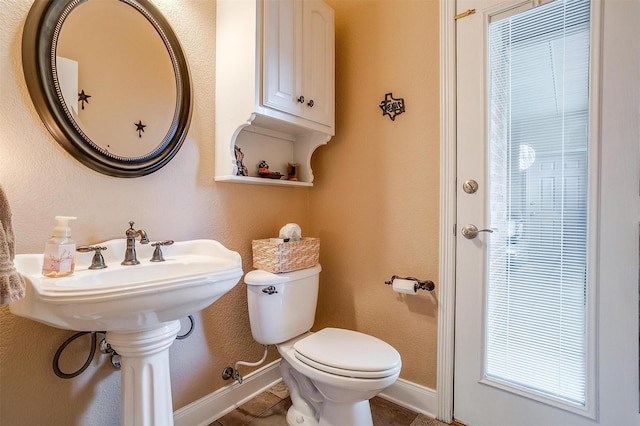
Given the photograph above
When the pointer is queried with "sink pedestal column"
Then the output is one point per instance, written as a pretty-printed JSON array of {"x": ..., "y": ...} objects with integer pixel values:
[{"x": 145, "y": 383}]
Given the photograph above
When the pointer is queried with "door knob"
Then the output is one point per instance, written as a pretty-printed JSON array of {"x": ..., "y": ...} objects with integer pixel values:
[{"x": 471, "y": 231}]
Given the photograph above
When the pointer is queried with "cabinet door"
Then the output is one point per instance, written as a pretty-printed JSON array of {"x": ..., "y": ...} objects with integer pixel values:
[
  {"x": 299, "y": 59},
  {"x": 282, "y": 55},
  {"x": 318, "y": 69}
]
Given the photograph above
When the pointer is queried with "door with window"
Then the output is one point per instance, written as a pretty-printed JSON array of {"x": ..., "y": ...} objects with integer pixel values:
[{"x": 547, "y": 215}]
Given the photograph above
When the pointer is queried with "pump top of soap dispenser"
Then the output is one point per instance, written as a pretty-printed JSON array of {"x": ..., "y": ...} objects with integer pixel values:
[{"x": 62, "y": 228}]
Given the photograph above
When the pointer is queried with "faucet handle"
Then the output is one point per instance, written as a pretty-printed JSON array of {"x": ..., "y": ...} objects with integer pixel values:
[
  {"x": 157, "y": 253},
  {"x": 98, "y": 261}
]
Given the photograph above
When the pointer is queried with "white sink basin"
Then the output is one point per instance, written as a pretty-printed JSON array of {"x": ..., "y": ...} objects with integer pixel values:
[
  {"x": 127, "y": 298},
  {"x": 137, "y": 306}
]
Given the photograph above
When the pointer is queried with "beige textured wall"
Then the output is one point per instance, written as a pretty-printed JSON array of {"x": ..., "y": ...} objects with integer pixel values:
[
  {"x": 181, "y": 201},
  {"x": 374, "y": 206},
  {"x": 375, "y": 202}
]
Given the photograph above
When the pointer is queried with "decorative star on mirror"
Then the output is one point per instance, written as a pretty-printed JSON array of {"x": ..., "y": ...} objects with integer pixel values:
[
  {"x": 83, "y": 97},
  {"x": 140, "y": 128}
]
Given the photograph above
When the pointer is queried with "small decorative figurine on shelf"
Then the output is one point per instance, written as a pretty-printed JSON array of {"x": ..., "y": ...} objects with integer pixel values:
[
  {"x": 292, "y": 171},
  {"x": 263, "y": 171},
  {"x": 242, "y": 169}
]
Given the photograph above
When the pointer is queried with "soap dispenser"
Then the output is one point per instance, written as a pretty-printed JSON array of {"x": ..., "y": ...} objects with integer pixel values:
[{"x": 60, "y": 250}]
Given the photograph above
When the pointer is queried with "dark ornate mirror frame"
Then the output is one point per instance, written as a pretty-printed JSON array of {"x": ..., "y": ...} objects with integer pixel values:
[{"x": 39, "y": 41}]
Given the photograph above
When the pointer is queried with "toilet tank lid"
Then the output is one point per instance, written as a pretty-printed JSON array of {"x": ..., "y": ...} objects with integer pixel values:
[{"x": 260, "y": 277}]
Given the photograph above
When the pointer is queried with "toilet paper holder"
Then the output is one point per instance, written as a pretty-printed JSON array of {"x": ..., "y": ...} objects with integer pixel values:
[{"x": 419, "y": 284}]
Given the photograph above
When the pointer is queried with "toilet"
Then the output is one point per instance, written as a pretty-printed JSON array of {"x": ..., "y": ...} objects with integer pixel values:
[{"x": 332, "y": 373}]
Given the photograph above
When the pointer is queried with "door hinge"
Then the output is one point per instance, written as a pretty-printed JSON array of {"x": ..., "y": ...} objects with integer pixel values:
[{"x": 464, "y": 14}]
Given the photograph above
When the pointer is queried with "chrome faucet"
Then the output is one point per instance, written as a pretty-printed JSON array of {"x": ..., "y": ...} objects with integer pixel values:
[{"x": 130, "y": 251}]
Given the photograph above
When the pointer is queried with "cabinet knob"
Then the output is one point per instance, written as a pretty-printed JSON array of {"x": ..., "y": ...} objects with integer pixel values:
[
  {"x": 301, "y": 99},
  {"x": 310, "y": 103}
]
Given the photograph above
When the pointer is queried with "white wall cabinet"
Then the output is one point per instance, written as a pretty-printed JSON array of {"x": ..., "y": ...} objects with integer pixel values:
[
  {"x": 298, "y": 59},
  {"x": 275, "y": 82}
]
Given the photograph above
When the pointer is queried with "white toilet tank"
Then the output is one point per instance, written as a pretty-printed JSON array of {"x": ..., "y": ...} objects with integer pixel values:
[{"x": 281, "y": 306}]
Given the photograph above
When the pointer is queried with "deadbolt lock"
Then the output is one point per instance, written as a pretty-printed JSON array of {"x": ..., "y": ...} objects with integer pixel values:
[{"x": 470, "y": 186}]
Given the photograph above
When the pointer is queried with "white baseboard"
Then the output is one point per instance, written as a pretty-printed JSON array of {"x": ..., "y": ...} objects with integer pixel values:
[
  {"x": 215, "y": 405},
  {"x": 415, "y": 397}
]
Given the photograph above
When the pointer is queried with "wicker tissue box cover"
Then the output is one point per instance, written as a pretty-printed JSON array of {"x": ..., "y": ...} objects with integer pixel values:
[{"x": 285, "y": 257}]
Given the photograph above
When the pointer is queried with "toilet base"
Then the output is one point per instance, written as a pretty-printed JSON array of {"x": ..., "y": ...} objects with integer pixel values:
[
  {"x": 358, "y": 414},
  {"x": 311, "y": 408},
  {"x": 296, "y": 418}
]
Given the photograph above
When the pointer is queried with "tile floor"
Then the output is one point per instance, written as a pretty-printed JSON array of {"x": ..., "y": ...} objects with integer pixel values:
[{"x": 270, "y": 409}]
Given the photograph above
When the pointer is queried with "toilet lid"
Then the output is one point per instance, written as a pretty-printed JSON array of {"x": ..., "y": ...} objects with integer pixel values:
[{"x": 348, "y": 353}]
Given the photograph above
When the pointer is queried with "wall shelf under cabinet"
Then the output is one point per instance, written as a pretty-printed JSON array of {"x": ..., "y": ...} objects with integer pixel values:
[
  {"x": 277, "y": 148},
  {"x": 261, "y": 181}
]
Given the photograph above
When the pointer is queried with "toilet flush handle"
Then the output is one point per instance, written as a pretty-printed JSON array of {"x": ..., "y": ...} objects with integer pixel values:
[{"x": 270, "y": 290}]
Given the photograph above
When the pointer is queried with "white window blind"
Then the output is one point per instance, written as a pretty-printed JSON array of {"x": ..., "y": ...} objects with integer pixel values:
[{"x": 538, "y": 127}]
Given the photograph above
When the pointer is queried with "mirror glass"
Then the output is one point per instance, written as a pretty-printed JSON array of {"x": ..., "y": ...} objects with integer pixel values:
[{"x": 109, "y": 80}]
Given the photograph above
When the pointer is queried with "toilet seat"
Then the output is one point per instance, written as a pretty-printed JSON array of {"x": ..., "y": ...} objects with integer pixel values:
[{"x": 348, "y": 353}]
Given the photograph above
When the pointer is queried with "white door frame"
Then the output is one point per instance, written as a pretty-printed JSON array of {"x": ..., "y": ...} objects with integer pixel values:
[{"x": 447, "y": 245}]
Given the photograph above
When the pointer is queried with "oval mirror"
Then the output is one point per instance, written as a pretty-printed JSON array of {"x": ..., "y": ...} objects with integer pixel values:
[{"x": 110, "y": 82}]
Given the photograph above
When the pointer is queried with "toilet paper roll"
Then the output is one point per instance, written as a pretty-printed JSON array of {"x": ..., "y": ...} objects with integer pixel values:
[{"x": 404, "y": 286}]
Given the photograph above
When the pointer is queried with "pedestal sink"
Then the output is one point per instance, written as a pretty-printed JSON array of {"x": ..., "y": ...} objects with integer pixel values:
[{"x": 138, "y": 306}]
